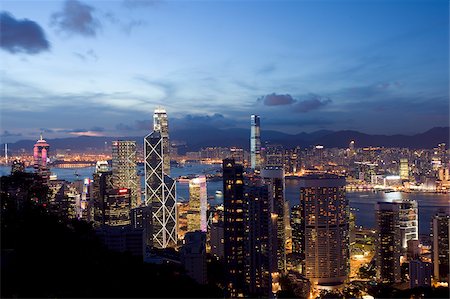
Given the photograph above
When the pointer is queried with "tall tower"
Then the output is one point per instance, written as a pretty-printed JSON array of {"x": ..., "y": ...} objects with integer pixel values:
[
  {"x": 255, "y": 143},
  {"x": 197, "y": 204},
  {"x": 234, "y": 228},
  {"x": 441, "y": 243},
  {"x": 388, "y": 241},
  {"x": 161, "y": 124},
  {"x": 124, "y": 169},
  {"x": 40, "y": 155},
  {"x": 274, "y": 177},
  {"x": 160, "y": 189},
  {"x": 326, "y": 228}
]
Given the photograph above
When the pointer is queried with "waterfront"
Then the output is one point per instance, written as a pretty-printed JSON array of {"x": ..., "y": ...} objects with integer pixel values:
[{"x": 362, "y": 202}]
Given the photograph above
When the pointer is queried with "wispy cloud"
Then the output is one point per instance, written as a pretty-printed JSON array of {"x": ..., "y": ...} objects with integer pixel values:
[{"x": 76, "y": 18}]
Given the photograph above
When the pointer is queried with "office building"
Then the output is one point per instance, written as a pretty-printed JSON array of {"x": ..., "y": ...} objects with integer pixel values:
[
  {"x": 388, "y": 242},
  {"x": 117, "y": 206},
  {"x": 40, "y": 159},
  {"x": 160, "y": 189},
  {"x": 409, "y": 221},
  {"x": 161, "y": 124},
  {"x": 255, "y": 143},
  {"x": 274, "y": 155},
  {"x": 234, "y": 228},
  {"x": 440, "y": 246},
  {"x": 124, "y": 169},
  {"x": 326, "y": 236},
  {"x": 404, "y": 169},
  {"x": 420, "y": 274},
  {"x": 274, "y": 177},
  {"x": 141, "y": 218},
  {"x": 101, "y": 185},
  {"x": 197, "y": 204},
  {"x": 193, "y": 256}
]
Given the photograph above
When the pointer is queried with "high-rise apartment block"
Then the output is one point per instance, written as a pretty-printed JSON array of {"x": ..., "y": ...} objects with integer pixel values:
[
  {"x": 388, "y": 242},
  {"x": 440, "y": 246},
  {"x": 234, "y": 228},
  {"x": 326, "y": 235},
  {"x": 274, "y": 177}
]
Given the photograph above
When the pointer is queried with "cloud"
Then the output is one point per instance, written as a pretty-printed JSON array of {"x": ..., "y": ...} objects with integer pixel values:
[
  {"x": 124, "y": 127},
  {"x": 21, "y": 36},
  {"x": 312, "y": 102},
  {"x": 274, "y": 99},
  {"x": 76, "y": 18},
  {"x": 88, "y": 55},
  {"x": 7, "y": 133},
  {"x": 140, "y": 3}
]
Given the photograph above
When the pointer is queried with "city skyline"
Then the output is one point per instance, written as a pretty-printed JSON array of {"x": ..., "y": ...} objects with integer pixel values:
[{"x": 376, "y": 67}]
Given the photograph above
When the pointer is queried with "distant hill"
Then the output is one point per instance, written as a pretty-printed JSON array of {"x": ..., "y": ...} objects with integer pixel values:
[{"x": 196, "y": 139}]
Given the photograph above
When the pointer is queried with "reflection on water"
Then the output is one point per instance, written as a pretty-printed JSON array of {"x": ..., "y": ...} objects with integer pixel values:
[{"x": 362, "y": 202}]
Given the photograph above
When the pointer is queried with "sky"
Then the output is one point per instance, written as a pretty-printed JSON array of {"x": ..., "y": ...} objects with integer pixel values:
[{"x": 100, "y": 68}]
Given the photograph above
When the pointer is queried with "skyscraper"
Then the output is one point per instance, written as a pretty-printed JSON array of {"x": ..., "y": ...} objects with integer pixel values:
[
  {"x": 197, "y": 204},
  {"x": 408, "y": 219},
  {"x": 298, "y": 234},
  {"x": 255, "y": 143},
  {"x": 404, "y": 169},
  {"x": 161, "y": 124},
  {"x": 124, "y": 169},
  {"x": 388, "y": 242},
  {"x": 260, "y": 256},
  {"x": 193, "y": 256},
  {"x": 234, "y": 228},
  {"x": 274, "y": 177},
  {"x": 326, "y": 228},
  {"x": 441, "y": 244},
  {"x": 160, "y": 189},
  {"x": 40, "y": 156}
]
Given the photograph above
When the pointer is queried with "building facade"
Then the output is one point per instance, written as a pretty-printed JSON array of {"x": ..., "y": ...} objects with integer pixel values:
[
  {"x": 440, "y": 246},
  {"x": 197, "y": 204}
]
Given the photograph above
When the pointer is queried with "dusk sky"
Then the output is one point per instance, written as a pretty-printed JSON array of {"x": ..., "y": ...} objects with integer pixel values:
[{"x": 102, "y": 67}]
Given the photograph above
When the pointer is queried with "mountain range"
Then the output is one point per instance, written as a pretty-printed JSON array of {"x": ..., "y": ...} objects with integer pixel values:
[{"x": 196, "y": 139}]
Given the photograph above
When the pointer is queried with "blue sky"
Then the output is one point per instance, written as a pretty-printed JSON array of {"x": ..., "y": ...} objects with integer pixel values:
[{"x": 101, "y": 67}]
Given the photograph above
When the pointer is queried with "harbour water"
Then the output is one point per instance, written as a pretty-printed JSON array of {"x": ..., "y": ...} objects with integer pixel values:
[{"x": 363, "y": 203}]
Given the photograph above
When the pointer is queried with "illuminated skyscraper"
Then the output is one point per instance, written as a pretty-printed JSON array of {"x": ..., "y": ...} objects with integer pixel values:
[
  {"x": 388, "y": 242},
  {"x": 274, "y": 177},
  {"x": 408, "y": 220},
  {"x": 197, "y": 204},
  {"x": 298, "y": 234},
  {"x": 161, "y": 124},
  {"x": 441, "y": 244},
  {"x": 124, "y": 169},
  {"x": 160, "y": 189},
  {"x": 404, "y": 169},
  {"x": 326, "y": 228},
  {"x": 255, "y": 143},
  {"x": 40, "y": 155},
  {"x": 234, "y": 228}
]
